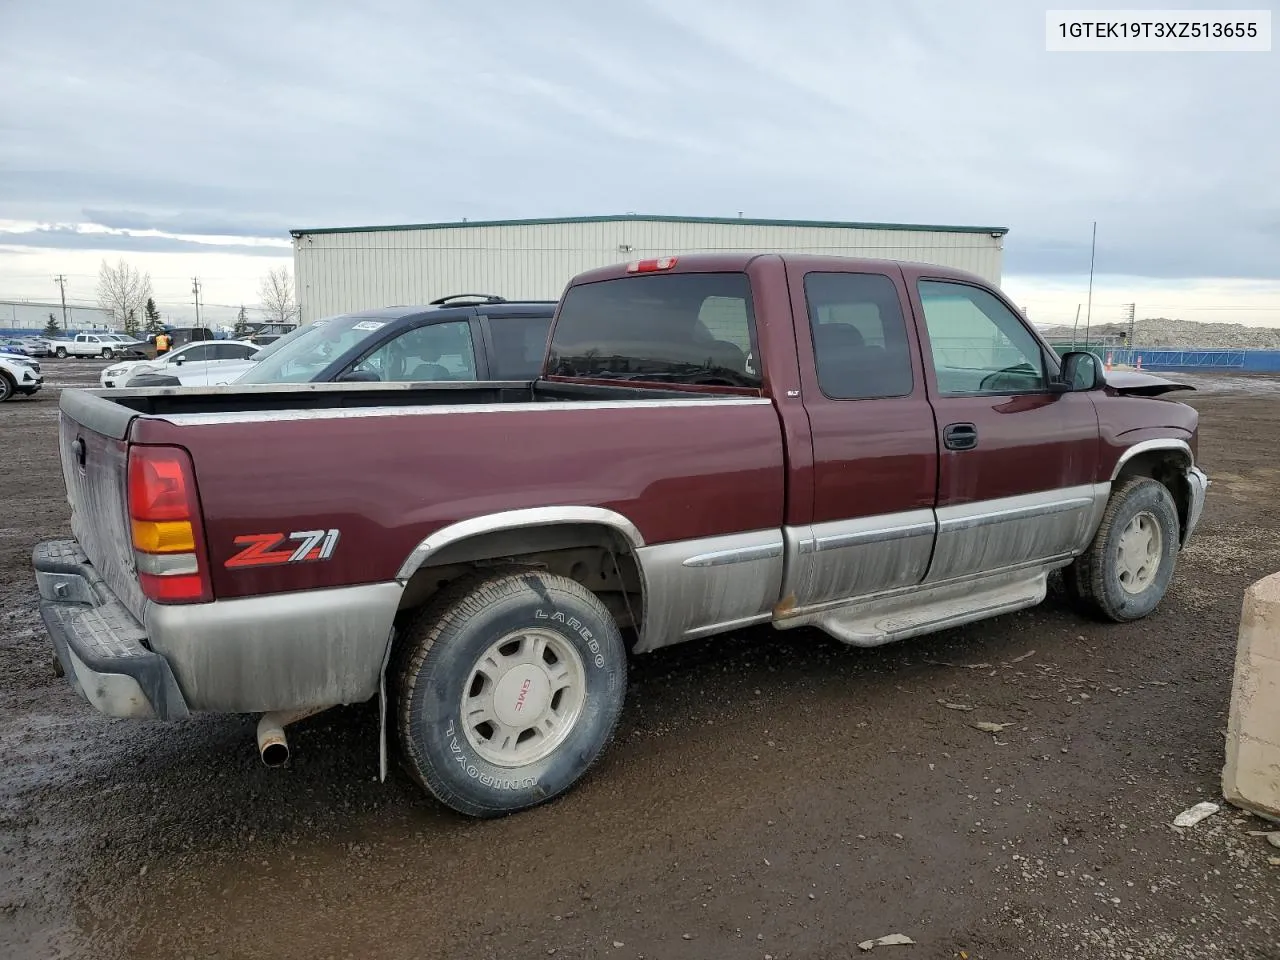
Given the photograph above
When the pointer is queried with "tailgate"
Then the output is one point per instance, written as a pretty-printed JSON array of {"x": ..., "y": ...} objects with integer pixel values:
[{"x": 92, "y": 435}]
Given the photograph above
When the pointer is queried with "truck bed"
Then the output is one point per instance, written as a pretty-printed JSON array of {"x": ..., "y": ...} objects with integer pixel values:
[{"x": 388, "y": 464}]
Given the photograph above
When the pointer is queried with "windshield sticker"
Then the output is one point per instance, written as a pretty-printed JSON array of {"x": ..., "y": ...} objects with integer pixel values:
[{"x": 368, "y": 325}]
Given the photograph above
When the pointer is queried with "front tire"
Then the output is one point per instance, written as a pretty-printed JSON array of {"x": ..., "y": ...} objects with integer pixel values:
[
  {"x": 6, "y": 387},
  {"x": 1127, "y": 569},
  {"x": 509, "y": 685}
]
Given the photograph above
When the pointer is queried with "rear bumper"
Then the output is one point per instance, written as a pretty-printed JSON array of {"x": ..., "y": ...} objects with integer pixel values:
[{"x": 100, "y": 645}]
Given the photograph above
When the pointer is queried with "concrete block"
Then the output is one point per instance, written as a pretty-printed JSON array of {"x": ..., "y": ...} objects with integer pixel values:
[{"x": 1251, "y": 777}]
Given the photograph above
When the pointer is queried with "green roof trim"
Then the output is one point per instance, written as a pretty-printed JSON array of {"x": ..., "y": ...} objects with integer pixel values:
[{"x": 637, "y": 217}]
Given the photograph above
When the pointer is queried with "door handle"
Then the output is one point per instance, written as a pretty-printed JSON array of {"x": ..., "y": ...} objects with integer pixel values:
[{"x": 960, "y": 436}]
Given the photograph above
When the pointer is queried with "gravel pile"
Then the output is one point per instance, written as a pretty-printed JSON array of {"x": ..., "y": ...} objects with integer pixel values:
[{"x": 1163, "y": 332}]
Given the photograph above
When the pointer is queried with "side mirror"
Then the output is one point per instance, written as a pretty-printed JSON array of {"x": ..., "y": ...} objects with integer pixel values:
[
  {"x": 359, "y": 376},
  {"x": 1081, "y": 370},
  {"x": 179, "y": 361}
]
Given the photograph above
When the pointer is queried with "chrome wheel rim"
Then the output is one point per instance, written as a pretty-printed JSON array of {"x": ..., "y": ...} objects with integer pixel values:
[
  {"x": 1139, "y": 551},
  {"x": 524, "y": 697}
]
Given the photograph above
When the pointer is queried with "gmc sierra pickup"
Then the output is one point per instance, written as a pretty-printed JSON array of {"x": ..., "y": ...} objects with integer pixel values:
[{"x": 877, "y": 449}]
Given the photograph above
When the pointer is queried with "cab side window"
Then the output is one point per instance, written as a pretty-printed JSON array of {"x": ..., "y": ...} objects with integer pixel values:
[
  {"x": 859, "y": 336},
  {"x": 201, "y": 352},
  {"x": 232, "y": 351},
  {"x": 979, "y": 345},
  {"x": 519, "y": 344},
  {"x": 438, "y": 351}
]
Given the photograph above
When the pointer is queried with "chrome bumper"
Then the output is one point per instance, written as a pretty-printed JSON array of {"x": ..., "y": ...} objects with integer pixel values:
[{"x": 1197, "y": 483}]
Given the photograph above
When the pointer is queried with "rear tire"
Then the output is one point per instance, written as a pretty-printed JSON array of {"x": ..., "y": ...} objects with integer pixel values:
[
  {"x": 61, "y": 353},
  {"x": 1127, "y": 569},
  {"x": 509, "y": 684},
  {"x": 108, "y": 353}
]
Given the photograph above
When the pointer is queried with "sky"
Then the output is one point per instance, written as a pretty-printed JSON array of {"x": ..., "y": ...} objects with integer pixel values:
[{"x": 189, "y": 138}]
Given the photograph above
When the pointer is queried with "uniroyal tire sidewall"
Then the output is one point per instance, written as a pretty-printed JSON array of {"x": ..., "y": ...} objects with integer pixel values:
[
  {"x": 1150, "y": 498},
  {"x": 447, "y": 761}
]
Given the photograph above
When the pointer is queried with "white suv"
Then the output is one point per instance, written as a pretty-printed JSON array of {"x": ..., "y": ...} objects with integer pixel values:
[
  {"x": 209, "y": 354},
  {"x": 19, "y": 375}
]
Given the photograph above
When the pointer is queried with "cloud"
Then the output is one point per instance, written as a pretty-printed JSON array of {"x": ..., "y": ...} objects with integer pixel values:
[
  {"x": 190, "y": 223},
  {"x": 65, "y": 239},
  {"x": 291, "y": 114}
]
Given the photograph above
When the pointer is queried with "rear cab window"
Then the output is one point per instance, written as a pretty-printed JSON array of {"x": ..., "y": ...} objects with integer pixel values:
[{"x": 682, "y": 328}]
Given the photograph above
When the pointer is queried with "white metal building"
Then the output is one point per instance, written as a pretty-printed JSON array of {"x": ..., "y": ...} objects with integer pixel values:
[{"x": 343, "y": 269}]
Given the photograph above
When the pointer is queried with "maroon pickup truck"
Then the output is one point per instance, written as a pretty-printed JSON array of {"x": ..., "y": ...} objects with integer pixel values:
[{"x": 873, "y": 448}]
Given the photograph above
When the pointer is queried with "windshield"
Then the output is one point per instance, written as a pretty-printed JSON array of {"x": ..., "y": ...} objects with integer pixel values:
[{"x": 300, "y": 355}]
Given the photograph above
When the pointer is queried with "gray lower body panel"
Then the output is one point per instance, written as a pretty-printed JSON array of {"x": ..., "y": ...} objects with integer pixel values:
[
  {"x": 282, "y": 651},
  {"x": 834, "y": 560},
  {"x": 993, "y": 535},
  {"x": 285, "y": 651},
  {"x": 694, "y": 588}
]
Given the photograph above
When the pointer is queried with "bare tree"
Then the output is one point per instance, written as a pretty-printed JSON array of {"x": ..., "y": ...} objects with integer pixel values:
[
  {"x": 123, "y": 292},
  {"x": 276, "y": 293}
]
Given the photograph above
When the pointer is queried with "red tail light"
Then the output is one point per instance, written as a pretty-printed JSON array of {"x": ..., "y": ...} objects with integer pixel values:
[
  {"x": 651, "y": 266},
  {"x": 175, "y": 588},
  {"x": 168, "y": 539},
  {"x": 160, "y": 485}
]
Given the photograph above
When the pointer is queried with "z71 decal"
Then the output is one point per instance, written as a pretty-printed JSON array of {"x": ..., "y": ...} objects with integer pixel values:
[{"x": 264, "y": 549}]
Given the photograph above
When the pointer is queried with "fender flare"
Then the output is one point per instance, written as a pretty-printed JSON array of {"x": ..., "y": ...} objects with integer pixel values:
[
  {"x": 1149, "y": 446},
  {"x": 514, "y": 520}
]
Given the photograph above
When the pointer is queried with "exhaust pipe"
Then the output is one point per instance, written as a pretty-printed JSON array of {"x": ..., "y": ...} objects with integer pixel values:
[{"x": 273, "y": 745}]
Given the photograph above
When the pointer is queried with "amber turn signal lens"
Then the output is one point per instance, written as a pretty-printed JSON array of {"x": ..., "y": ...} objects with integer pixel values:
[{"x": 167, "y": 536}]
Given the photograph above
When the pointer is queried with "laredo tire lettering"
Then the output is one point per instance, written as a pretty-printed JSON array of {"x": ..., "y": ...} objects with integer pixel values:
[
  {"x": 576, "y": 626},
  {"x": 434, "y": 660}
]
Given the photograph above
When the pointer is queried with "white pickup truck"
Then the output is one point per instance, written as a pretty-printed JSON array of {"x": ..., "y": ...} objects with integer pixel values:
[{"x": 105, "y": 345}]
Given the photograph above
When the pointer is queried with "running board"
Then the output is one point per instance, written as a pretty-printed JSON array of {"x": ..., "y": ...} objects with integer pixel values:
[{"x": 874, "y": 622}]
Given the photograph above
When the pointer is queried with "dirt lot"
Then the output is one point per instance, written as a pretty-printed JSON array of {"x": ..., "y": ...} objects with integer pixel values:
[{"x": 769, "y": 795}]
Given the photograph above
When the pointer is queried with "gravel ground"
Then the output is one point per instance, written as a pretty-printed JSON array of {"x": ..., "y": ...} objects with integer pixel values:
[{"x": 769, "y": 794}]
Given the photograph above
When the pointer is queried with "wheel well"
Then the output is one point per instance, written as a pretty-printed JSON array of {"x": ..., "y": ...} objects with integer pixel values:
[
  {"x": 594, "y": 555},
  {"x": 1170, "y": 468}
]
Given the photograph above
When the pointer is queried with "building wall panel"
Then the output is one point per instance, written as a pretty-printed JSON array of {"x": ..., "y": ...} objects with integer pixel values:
[{"x": 339, "y": 272}]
